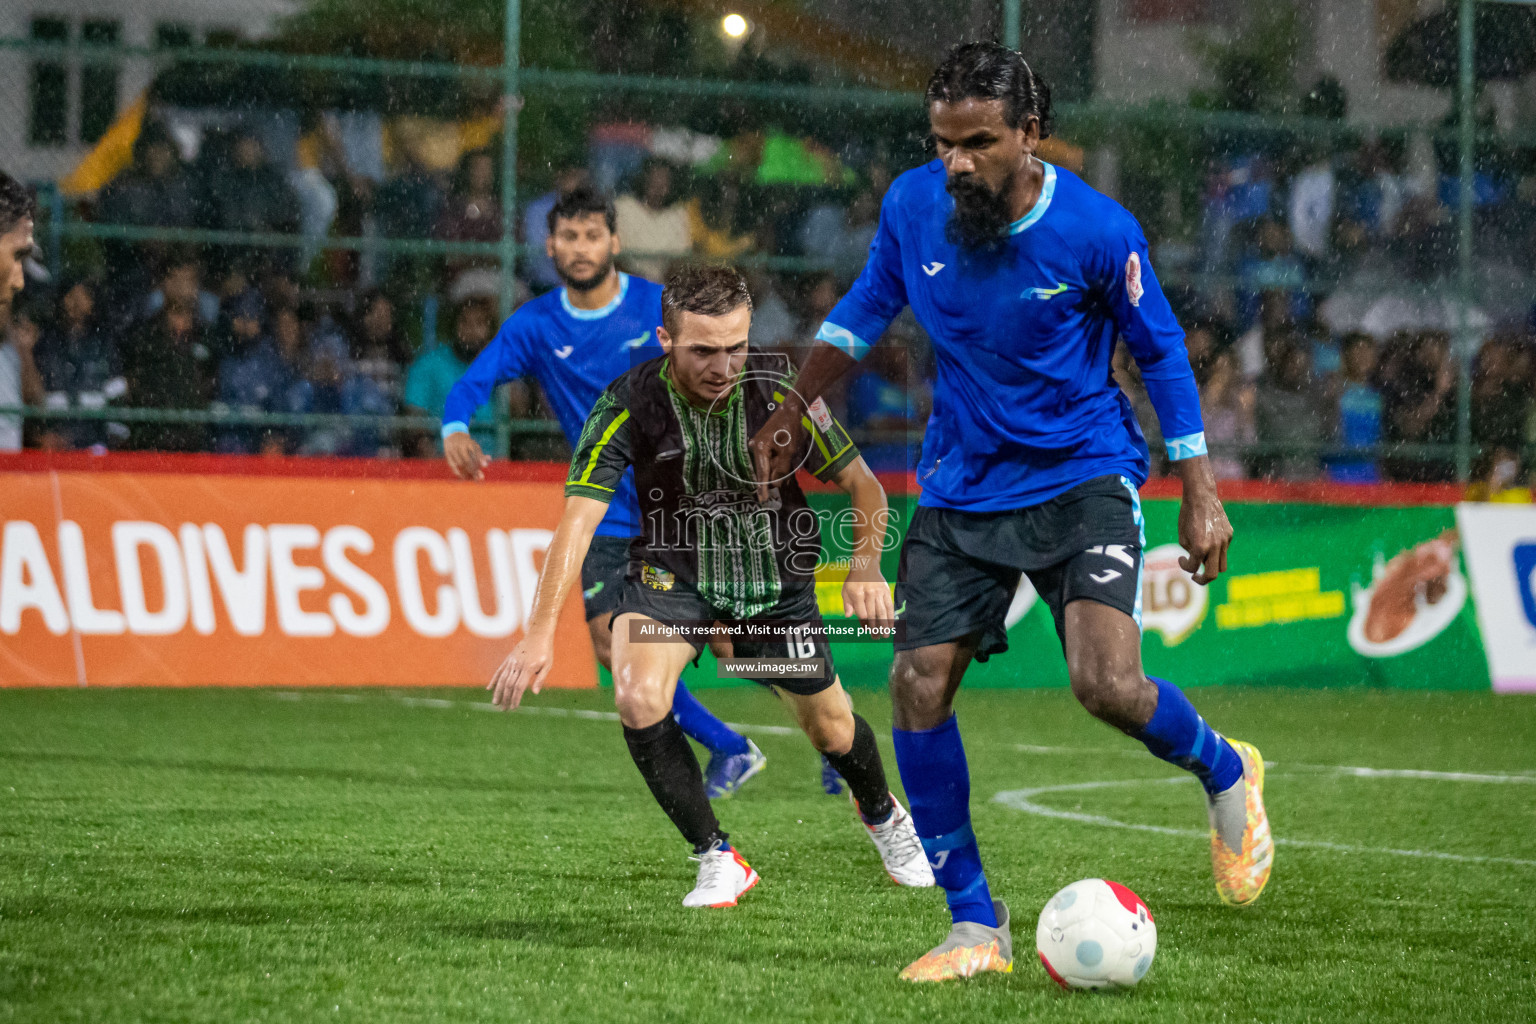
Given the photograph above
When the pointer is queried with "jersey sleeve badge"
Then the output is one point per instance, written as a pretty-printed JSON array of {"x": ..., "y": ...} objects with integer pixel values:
[
  {"x": 821, "y": 415},
  {"x": 1133, "y": 289}
]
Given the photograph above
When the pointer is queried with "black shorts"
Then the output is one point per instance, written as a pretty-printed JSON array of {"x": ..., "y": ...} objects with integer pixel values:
[
  {"x": 602, "y": 575},
  {"x": 794, "y": 622},
  {"x": 959, "y": 570}
]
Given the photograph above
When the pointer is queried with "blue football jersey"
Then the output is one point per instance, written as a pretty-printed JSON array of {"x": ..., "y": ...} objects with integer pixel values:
[
  {"x": 574, "y": 354},
  {"x": 1025, "y": 406}
]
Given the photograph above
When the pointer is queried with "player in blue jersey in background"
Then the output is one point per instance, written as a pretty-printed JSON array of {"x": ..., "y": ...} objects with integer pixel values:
[
  {"x": 574, "y": 341},
  {"x": 1024, "y": 277}
]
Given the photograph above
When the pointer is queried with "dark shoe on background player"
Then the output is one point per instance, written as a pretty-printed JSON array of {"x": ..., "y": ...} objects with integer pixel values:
[
  {"x": 727, "y": 773},
  {"x": 831, "y": 782},
  {"x": 970, "y": 949}
]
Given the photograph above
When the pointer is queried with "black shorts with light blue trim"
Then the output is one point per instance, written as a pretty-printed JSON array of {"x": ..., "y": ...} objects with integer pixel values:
[{"x": 960, "y": 571}]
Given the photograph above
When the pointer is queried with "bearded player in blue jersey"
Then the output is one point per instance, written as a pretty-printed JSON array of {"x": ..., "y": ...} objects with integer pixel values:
[
  {"x": 574, "y": 341},
  {"x": 1024, "y": 277}
]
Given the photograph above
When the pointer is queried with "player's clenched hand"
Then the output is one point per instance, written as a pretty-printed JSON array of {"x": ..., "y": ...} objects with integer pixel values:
[
  {"x": 774, "y": 445},
  {"x": 525, "y": 667},
  {"x": 1205, "y": 533},
  {"x": 464, "y": 457},
  {"x": 869, "y": 601}
]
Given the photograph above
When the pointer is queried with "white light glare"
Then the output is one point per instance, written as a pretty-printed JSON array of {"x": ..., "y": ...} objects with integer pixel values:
[{"x": 734, "y": 25}]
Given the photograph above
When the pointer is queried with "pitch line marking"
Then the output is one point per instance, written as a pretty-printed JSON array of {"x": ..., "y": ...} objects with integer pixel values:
[
  {"x": 1525, "y": 778},
  {"x": 1022, "y": 800},
  {"x": 440, "y": 704}
]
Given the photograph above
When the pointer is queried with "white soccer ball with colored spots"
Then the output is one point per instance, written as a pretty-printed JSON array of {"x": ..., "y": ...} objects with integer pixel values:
[{"x": 1096, "y": 934}]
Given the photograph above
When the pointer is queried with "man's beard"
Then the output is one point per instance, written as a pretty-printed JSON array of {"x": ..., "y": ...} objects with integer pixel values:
[
  {"x": 981, "y": 217},
  {"x": 591, "y": 281}
]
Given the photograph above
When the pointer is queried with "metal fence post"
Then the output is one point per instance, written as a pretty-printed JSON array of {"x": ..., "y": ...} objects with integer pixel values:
[
  {"x": 1011, "y": 24},
  {"x": 510, "y": 58},
  {"x": 1465, "y": 342}
]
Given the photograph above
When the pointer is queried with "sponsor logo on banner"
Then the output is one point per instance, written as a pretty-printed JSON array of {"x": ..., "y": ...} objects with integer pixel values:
[
  {"x": 1499, "y": 543},
  {"x": 184, "y": 580},
  {"x": 1172, "y": 603},
  {"x": 1411, "y": 600},
  {"x": 1525, "y": 579}
]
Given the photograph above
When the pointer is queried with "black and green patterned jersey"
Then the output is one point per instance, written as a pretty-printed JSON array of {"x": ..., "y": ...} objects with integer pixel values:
[{"x": 702, "y": 525}]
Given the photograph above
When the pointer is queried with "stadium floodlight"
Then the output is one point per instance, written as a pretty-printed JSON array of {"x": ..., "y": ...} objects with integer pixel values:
[{"x": 734, "y": 25}]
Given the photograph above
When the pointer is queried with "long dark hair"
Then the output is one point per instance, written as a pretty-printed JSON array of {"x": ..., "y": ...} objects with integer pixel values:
[{"x": 991, "y": 71}]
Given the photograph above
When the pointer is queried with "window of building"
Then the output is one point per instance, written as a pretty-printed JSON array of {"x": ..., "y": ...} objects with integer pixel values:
[
  {"x": 98, "y": 82},
  {"x": 48, "y": 90}
]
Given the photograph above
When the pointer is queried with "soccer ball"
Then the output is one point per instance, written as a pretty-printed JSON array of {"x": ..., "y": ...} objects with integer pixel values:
[{"x": 1096, "y": 934}]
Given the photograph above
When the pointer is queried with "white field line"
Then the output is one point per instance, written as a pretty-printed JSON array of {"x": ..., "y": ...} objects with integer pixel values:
[
  {"x": 477, "y": 705},
  {"x": 1525, "y": 778},
  {"x": 1023, "y": 800}
]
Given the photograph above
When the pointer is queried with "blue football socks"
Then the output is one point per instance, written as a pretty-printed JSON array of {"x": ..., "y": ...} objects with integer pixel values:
[
  {"x": 1178, "y": 735},
  {"x": 938, "y": 784},
  {"x": 700, "y": 724}
]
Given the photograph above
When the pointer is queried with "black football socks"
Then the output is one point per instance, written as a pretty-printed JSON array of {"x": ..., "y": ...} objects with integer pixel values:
[
  {"x": 667, "y": 763},
  {"x": 860, "y": 767}
]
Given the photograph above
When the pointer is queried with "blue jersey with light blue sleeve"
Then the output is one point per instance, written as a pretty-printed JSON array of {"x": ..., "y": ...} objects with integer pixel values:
[
  {"x": 1025, "y": 406},
  {"x": 574, "y": 354}
]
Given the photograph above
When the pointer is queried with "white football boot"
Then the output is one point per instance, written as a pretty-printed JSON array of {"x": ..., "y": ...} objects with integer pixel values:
[
  {"x": 901, "y": 851},
  {"x": 723, "y": 877}
]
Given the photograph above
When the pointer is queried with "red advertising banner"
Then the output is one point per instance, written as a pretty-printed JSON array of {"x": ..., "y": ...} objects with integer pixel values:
[{"x": 167, "y": 579}]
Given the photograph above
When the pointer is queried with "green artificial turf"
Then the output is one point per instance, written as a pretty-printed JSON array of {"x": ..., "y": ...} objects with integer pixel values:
[{"x": 217, "y": 855}]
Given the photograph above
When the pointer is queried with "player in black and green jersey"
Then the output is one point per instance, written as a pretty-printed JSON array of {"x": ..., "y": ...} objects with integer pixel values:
[{"x": 710, "y": 552}]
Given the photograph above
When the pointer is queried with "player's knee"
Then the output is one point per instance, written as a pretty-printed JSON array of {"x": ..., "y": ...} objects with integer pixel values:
[
  {"x": 918, "y": 691},
  {"x": 831, "y": 733},
  {"x": 640, "y": 701},
  {"x": 1110, "y": 693}
]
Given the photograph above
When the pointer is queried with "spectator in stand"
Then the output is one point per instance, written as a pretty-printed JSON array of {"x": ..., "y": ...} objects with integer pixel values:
[
  {"x": 1496, "y": 477},
  {"x": 1289, "y": 412},
  {"x": 714, "y": 221},
  {"x": 1274, "y": 323},
  {"x": 20, "y": 383},
  {"x": 434, "y": 372},
  {"x": 652, "y": 223},
  {"x": 81, "y": 369},
  {"x": 1226, "y": 406},
  {"x": 1273, "y": 267},
  {"x": 168, "y": 361},
  {"x": 1501, "y": 393},
  {"x": 773, "y": 323},
  {"x": 472, "y": 210},
  {"x": 844, "y": 237},
  {"x": 1356, "y": 411},
  {"x": 1418, "y": 391},
  {"x": 541, "y": 269},
  {"x": 332, "y": 385},
  {"x": 248, "y": 194},
  {"x": 379, "y": 348},
  {"x": 1373, "y": 194},
  {"x": 154, "y": 192},
  {"x": 254, "y": 378},
  {"x": 886, "y": 398}
]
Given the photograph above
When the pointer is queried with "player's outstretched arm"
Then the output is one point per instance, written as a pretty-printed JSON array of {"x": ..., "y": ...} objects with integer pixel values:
[
  {"x": 530, "y": 660},
  {"x": 865, "y": 593},
  {"x": 775, "y": 445},
  {"x": 1204, "y": 530},
  {"x": 464, "y": 457}
]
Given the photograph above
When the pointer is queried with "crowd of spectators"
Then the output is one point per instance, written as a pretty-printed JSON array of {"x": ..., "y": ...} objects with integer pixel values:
[{"x": 1315, "y": 297}]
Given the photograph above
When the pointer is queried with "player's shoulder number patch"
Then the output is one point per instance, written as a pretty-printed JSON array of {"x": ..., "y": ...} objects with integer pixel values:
[
  {"x": 1133, "y": 289},
  {"x": 821, "y": 415}
]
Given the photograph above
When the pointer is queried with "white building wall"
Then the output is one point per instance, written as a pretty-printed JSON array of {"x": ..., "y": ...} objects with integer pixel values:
[{"x": 251, "y": 19}]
